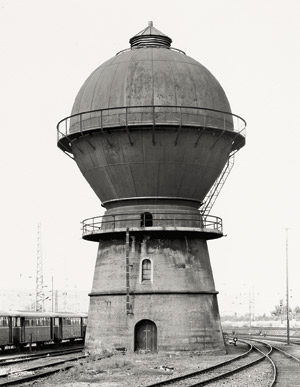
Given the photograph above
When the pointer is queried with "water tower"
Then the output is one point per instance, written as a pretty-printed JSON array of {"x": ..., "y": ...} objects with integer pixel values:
[{"x": 152, "y": 132}]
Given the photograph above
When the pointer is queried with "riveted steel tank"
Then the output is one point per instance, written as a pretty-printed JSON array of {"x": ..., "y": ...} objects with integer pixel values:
[
  {"x": 151, "y": 130},
  {"x": 146, "y": 110}
]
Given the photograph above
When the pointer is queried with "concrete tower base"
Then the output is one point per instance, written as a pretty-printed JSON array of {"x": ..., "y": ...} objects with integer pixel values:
[{"x": 173, "y": 302}]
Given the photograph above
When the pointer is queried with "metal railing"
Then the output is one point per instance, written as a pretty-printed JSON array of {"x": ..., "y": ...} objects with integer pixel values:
[
  {"x": 160, "y": 220},
  {"x": 130, "y": 116}
]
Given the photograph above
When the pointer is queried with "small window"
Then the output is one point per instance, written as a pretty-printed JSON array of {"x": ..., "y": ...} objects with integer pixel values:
[
  {"x": 29, "y": 322},
  {"x": 42, "y": 321},
  {"x": 4, "y": 321},
  {"x": 67, "y": 321},
  {"x": 17, "y": 321},
  {"x": 146, "y": 219},
  {"x": 75, "y": 321},
  {"x": 146, "y": 270}
]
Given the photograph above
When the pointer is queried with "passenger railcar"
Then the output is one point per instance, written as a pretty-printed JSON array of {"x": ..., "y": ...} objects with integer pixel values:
[{"x": 21, "y": 328}]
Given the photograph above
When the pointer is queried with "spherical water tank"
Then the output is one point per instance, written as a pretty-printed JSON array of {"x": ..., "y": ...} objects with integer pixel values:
[
  {"x": 151, "y": 122},
  {"x": 151, "y": 76}
]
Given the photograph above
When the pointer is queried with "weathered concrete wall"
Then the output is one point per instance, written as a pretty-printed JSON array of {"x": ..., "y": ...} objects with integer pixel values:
[
  {"x": 180, "y": 298},
  {"x": 178, "y": 265},
  {"x": 186, "y": 322}
]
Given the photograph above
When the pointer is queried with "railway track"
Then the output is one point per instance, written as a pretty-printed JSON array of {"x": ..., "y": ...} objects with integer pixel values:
[
  {"x": 7, "y": 360},
  {"x": 286, "y": 367},
  {"x": 224, "y": 369},
  {"x": 281, "y": 338},
  {"x": 37, "y": 366},
  {"x": 282, "y": 369},
  {"x": 278, "y": 366}
]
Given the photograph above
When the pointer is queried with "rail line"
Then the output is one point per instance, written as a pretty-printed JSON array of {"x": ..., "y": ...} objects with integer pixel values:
[
  {"x": 285, "y": 368},
  {"x": 31, "y": 356},
  {"x": 216, "y": 372},
  {"x": 37, "y": 366},
  {"x": 279, "y": 338}
]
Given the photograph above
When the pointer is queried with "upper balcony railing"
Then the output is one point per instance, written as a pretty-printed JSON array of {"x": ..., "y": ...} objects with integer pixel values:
[
  {"x": 155, "y": 221},
  {"x": 156, "y": 115}
]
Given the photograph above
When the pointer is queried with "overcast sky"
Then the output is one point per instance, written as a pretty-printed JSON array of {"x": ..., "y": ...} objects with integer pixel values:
[{"x": 49, "y": 48}]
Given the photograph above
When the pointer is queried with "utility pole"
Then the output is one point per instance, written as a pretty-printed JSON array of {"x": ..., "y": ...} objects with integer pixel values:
[
  {"x": 39, "y": 306},
  {"x": 52, "y": 293},
  {"x": 250, "y": 311},
  {"x": 56, "y": 301},
  {"x": 287, "y": 288}
]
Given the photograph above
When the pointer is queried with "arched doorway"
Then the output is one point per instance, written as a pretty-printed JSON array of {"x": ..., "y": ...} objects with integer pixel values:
[{"x": 145, "y": 336}]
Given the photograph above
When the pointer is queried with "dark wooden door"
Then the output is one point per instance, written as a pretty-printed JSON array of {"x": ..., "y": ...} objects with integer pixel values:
[{"x": 145, "y": 336}]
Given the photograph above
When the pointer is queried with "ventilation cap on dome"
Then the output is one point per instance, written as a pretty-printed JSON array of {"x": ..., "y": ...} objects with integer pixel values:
[{"x": 150, "y": 37}]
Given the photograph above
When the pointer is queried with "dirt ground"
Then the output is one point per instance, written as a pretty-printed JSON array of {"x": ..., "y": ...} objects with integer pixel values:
[{"x": 134, "y": 370}]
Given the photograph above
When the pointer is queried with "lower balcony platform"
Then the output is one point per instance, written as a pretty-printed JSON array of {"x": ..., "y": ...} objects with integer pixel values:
[{"x": 101, "y": 227}]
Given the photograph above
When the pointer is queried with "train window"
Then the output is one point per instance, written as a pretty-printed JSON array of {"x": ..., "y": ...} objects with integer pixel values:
[
  {"x": 56, "y": 321},
  {"x": 16, "y": 321},
  {"x": 3, "y": 321},
  {"x": 84, "y": 321},
  {"x": 43, "y": 321},
  {"x": 71, "y": 321},
  {"x": 30, "y": 322},
  {"x": 146, "y": 270}
]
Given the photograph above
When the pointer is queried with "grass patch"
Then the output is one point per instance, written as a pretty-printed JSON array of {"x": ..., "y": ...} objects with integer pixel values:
[{"x": 94, "y": 368}]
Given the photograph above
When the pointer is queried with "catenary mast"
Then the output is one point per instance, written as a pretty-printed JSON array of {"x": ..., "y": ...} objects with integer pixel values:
[{"x": 39, "y": 273}]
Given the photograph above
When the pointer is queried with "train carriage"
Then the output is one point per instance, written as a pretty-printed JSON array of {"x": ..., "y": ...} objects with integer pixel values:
[
  {"x": 36, "y": 329},
  {"x": 22, "y": 328},
  {"x": 5, "y": 329},
  {"x": 72, "y": 327},
  {"x": 69, "y": 326}
]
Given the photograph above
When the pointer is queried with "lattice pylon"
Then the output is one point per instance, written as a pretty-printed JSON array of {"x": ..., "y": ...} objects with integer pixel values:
[{"x": 39, "y": 274}]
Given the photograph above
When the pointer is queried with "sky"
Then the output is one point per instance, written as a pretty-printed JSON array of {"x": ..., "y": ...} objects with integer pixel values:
[{"x": 49, "y": 48}]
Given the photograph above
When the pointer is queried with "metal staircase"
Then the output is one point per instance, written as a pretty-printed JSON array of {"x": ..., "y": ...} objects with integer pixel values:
[{"x": 213, "y": 193}]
